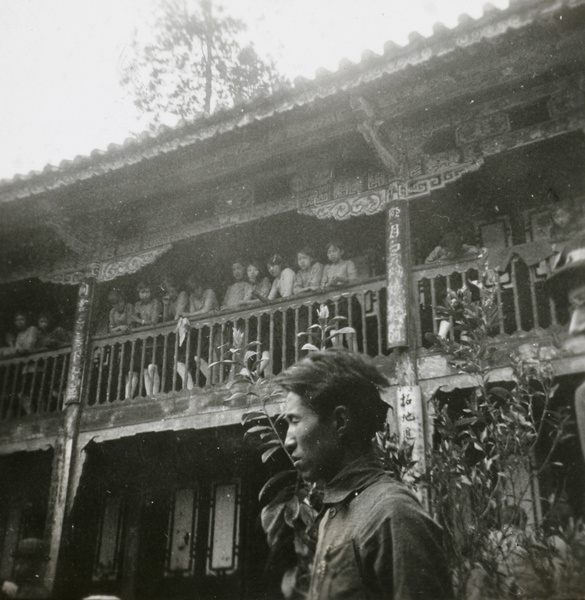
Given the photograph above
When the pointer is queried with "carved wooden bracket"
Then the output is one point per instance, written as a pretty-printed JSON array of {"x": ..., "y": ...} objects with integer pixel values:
[{"x": 369, "y": 127}]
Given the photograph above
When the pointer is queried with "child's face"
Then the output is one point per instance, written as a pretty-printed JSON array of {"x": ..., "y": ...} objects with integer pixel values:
[
  {"x": 20, "y": 322},
  {"x": 334, "y": 254},
  {"x": 238, "y": 271},
  {"x": 144, "y": 294},
  {"x": 562, "y": 217},
  {"x": 169, "y": 289},
  {"x": 304, "y": 261},
  {"x": 253, "y": 272},
  {"x": 274, "y": 270},
  {"x": 43, "y": 324}
]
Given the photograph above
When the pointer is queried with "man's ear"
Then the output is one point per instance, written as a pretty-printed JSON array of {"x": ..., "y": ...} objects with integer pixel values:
[{"x": 341, "y": 420}]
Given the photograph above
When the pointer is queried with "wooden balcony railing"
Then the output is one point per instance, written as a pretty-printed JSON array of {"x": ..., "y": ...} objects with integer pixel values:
[
  {"x": 33, "y": 384},
  {"x": 156, "y": 361},
  {"x": 522, "y": 302}
]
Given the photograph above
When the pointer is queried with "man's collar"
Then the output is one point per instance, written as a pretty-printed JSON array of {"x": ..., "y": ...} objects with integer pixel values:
[{"x": 352, "y": 479}]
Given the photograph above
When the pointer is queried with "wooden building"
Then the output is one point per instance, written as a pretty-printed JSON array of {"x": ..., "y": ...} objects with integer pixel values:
[{"x": 478, "y": 129}]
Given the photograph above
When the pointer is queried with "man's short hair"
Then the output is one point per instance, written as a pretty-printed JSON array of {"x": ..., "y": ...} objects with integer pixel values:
[{"x": 336, "y": 377}]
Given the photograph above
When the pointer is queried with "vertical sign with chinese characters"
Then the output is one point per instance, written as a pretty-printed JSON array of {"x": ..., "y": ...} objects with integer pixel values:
[
  {"x": 411, "y": 421},
  {"x": 396, "y": 276}
]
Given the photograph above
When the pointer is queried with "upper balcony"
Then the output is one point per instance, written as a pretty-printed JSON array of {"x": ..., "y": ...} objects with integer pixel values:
[{"x": 166, "y": 362}]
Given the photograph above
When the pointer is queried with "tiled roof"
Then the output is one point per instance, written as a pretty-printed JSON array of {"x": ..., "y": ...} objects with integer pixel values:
[{"x": 494, "y": 22}]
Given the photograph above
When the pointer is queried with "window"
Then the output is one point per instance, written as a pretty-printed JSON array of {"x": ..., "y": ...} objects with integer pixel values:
[
  {"x": 223, "y": 544},
  {"x": 182, "y": 533},
  {"x": 108, "y": 561}
]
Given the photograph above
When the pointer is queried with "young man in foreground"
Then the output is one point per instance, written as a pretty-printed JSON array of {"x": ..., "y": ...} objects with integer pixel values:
[{"x": 375, "y": 540}]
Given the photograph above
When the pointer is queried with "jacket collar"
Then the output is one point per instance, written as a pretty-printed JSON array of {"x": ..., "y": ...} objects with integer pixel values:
[{"x": 352, "y": 479}]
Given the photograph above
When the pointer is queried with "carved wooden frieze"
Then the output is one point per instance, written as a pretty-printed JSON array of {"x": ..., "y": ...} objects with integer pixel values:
[
  {"x": 425, "y": 185},
  {"x": 130, "y": 264},
  {"x": 344, "y": 208},
  {"x": 396, "y": 277},
  {"x": 105, "y": 271}
]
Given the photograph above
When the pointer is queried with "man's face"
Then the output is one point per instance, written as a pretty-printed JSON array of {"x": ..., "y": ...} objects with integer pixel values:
[
  {"x": 312, "y": 441},
  {"x": 238, "y": 271}
]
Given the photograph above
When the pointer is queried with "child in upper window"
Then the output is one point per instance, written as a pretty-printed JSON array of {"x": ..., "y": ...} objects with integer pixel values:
[
  {"x": 51, "y": 336},
  {"x": 284, "y": 277},
  {"x": 174, "y": 302},
  {"x": 238, "y": 291},
  {"x": 147, "y": 311},
  {"x": 451, "y": 247},
  {"x": 25, "y": 339},
  {"x": 120, "y": 317},
  {"x": 338, "y": 271},
  {"x": 202, "y": 299},
  {"x": 310, "y": 273},
  {"x": 259, "y": 286}
]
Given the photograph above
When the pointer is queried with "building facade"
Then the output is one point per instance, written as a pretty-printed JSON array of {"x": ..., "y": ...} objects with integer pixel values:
[{"x": 123, "y": 448}]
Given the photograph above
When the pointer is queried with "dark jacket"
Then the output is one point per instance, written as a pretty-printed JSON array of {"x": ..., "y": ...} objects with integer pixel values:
[{"x": 376, "y": 541}]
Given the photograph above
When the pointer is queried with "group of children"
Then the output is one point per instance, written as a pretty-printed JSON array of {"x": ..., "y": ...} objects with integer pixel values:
[
  {"x": 27, "y": 338},
  {"x": 249, "y": 287}
]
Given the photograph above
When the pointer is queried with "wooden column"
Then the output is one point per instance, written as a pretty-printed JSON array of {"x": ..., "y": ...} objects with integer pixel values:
[
  {"x": 408, "y": 404},
  {"x": 66, "y": 447}
]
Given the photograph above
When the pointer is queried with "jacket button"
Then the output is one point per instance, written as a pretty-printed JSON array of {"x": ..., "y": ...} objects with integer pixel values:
[{"x": 332, "y": 512}]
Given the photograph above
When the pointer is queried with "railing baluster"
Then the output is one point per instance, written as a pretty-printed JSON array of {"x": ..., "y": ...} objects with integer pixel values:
[
  {"x": 198, "y": 356},
  {"x": 271, "y": 344},
  {"x": 517, "y": 315},
  {"x": 120, "y": 372},
  {"x": 163, "y": 375},
  {"x": 5, "y": 369},
  {"x": 14, "y": 401},
  {"x": 297, "y": 339},
  {"x": 499, "y": 303},
  {"x": 62, "y": 380},
  {"x": 44, "y": 394},
  {"x": 364, "y": 323},
  {"x": 222, "y": 351},
  {"x": 130, "y": 375},
  {"x": 187, "y": 355},
  {"x": 175, "y": 360},
  {"x": 434, "y": 305},
  {"x": 212, "y": 354},
  {"x": 111, "y": 372},
  {"x": 141, "y": 367},
  {"x": 378, "y": 303},
  {"x": 283, "y": 338},
  {"x": 98, "y": 391},
  {"x": 34, "y": 406},
  {"x": 532, "y": 284},
  {"x": 551, "y": 303}
]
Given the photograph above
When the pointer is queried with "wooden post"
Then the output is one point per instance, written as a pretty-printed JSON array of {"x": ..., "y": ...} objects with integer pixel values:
[
  {"x": 409, "y": 407},
  {"x": 66, "y": 446}
]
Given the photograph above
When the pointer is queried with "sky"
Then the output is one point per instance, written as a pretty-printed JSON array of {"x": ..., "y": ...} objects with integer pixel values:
[{"x": 60, "y": 60}]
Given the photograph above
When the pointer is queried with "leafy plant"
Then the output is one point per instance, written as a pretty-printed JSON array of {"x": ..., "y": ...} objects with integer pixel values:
[{"x": 491, "y": 443}]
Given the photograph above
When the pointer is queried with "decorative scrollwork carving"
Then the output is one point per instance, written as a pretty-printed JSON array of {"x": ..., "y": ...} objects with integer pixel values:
[{"x": 342, "y": 209}]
